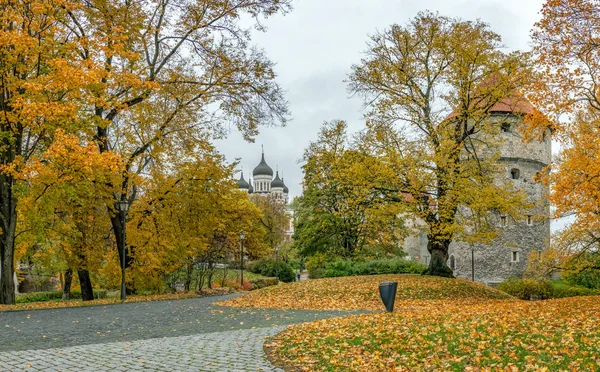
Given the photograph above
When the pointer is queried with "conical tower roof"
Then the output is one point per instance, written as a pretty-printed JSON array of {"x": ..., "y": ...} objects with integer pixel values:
[{"x": 250, "y": 189}]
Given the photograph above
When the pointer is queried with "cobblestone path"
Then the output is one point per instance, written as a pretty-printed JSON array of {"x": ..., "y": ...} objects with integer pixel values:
[
  {"x": 191, "y": 335},
  {"x": 239, "y": 350}
]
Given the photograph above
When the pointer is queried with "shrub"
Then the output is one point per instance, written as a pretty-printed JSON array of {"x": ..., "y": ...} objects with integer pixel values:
[
  {"x": 54, "y": 296},
  {"x": 390, "y": 266},
  {"x": 259, "y": 283},
  {"x": 527, "y": 289},
  {"x": 573, "y": 291},
  {"x": 532, "y": 289},
  {"x": 587, "y": 278},
  {"x": 234, "y": 284},
  {"x": 269, "y": 268},
  {"x": 375, "y": 267},
  {"x": 340, "y": 268},
  {"x": 316, "y": 266}
]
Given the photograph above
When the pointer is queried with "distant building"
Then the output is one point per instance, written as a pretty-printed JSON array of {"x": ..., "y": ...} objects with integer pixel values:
[{"x": 264, "y": 184}]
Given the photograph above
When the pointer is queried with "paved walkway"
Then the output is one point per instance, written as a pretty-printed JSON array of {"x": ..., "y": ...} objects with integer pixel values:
[
  {"x": 239, "y": 350},
  {"x": 190, "y": 334}
]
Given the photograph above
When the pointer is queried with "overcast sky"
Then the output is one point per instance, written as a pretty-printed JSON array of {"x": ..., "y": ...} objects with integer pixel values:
[{"x": 314, "y": 47}]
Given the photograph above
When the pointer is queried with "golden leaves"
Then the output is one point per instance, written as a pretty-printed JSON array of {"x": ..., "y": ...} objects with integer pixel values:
[
  {"x": 506, "y": 335},
  {"x": 361, "y": 293}
]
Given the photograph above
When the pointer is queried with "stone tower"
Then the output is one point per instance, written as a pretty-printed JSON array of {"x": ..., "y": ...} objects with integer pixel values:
[
  {"x": 521, "y": 237},
  {"x": 518, "y": 238}
]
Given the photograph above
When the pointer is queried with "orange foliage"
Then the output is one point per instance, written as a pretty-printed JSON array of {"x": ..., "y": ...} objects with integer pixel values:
[
  {"x": 361, "y": 293},
  {"x": 506, "y": 335}
]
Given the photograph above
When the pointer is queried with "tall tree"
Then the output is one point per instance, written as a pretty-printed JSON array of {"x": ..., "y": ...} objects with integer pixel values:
[
  {"x": 567, "y": 56},
  {"x": 171, "y": 72},
  {"x": 190, "y": 215},
  {"x": 41, "y": 88},
  {"x": 273, "y": 219},
  {"x": 341, "y": 211},
  {"x": 63, "y": 222},
  {"x": 429, "y": 88}
]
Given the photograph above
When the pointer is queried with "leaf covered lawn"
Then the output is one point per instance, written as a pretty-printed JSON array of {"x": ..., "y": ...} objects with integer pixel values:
[
  {"x": 362, "y": 293},
  {"x": 503, "y": 335}
]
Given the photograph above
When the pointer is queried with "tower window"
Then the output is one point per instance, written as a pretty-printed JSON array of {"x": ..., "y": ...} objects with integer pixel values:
[
  {"x": 515, "y": 174},
  {"x": 530, "y": 220},
  {"x": 503, "y": 221},
  {"x": 505, "y": 127},
  {"x": 514, "y": 257},
  {"x": 452, "y": 262}
]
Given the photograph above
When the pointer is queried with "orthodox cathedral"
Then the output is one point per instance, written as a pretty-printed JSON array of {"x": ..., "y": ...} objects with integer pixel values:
[{"x": 264, "y": 183}]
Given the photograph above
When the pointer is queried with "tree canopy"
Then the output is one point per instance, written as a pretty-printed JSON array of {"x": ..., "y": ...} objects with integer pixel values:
[{"x": 429, "y": 89}]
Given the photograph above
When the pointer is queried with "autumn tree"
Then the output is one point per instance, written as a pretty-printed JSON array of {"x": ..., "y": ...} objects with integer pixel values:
[
  {"x": 342, "y": 212},
  {"x": 273, "y": 219},
  {"x": 429, "y": 89},
  {"x": 172, "y": 72},
  {"x": 567, "y": 57},
  {"x": 42, "y": 87},
  {"x": 63, "y": 209},
  {"x": 189, "y": 216}
]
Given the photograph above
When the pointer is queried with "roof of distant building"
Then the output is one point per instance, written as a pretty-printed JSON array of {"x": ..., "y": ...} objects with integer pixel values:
[{"x": 262, "y": 169}]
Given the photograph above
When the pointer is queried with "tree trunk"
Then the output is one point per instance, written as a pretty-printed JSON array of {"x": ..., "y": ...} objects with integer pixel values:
[
  {"x": 439, "y": 255},
  {"x": 87, "y": 293},
  {"x": 8, "y": 213},
  {"x": 189, "y": 272},
  {"x": 67, "y": 284}
]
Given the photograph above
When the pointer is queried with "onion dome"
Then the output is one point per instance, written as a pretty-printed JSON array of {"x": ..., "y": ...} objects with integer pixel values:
[
  {"x": 262, "y": 169},
  {"x": 285, "y": 188},
  {"x": 277, "y": 182},
  {"x": 250, "y": 189},
  {"x": 242, "y": 184}
]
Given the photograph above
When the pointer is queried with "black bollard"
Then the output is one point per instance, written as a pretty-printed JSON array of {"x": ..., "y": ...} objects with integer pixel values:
[{"x": 387, "y": 291}]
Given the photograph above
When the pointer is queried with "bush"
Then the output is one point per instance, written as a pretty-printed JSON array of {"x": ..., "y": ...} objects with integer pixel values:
[
  {"x": 375, "y": 267},
  {"x": 23, "y": 298},
  {"x": 340, "y": 268},
  {"x": 316, "y": 266},
  {"x": 573, "y": 291},
  {"x": 390, "y": 266},
  {"x": 259, "y": 283},
  {"x": 527, "y": 289},
  {"x": 587, "y": 278},
  {"x": 532, "y": 289},
  {"x": 268, "y": 267}
]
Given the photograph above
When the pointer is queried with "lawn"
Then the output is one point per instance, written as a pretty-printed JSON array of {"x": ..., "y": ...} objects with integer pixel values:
[
  {"x": 505, "y": 335},
  {"x": 361, "y": 293},
  {"x": 439, "y": 324}
]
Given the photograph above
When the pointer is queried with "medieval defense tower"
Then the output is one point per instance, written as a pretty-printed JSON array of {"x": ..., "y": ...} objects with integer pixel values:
[{"x": 519, "y": 238}]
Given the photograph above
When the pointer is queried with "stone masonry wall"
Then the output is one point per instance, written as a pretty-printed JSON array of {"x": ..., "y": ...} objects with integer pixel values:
[{"x": 518, "y": 238}]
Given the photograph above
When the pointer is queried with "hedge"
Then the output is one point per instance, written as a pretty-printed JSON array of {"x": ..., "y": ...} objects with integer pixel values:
[
  {"x": 374, "y": 267},
  {"x": 55, "y": 295},
  {"x": 533, "y": 289},
  {"x": 259, "y": 283},
  {"x": 269, "y": 268}
]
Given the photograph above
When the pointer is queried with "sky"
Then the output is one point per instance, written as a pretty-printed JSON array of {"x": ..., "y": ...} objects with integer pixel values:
[{"x": 314, "y": 47}]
